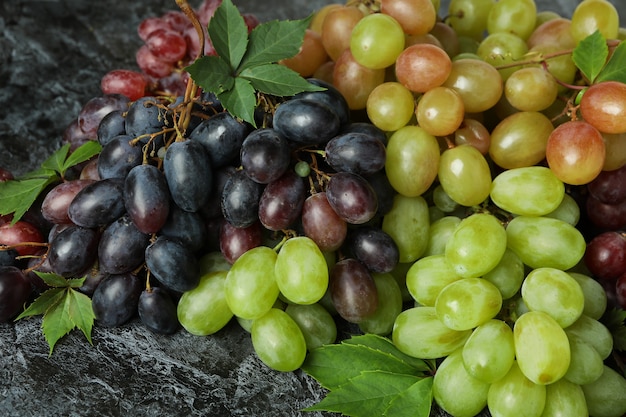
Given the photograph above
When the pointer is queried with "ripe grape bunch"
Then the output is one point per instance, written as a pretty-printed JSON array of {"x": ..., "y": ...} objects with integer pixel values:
[{"x": 453, "y": 181}]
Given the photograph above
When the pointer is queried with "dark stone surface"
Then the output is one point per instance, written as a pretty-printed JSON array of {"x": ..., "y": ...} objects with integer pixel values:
[{"x": 52, "y": 56}]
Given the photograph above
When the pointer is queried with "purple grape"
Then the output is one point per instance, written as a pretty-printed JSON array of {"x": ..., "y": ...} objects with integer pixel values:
[
  {"x": 98, "y": 204},
  {"x": 322, "y": 224},
  {"x": 265, "y": 155},
  {"x": 605, "y": 256},
  {"x": 15, "y": 290},
  {"x": 609, "y": 186},
  {"x": 147, "y": 198},
  {"x": 374, "y": 248},
  {"x": 352, "y": 197},
  {"x": 281, "y": 202},
  {"x": 353, "y": 290}
]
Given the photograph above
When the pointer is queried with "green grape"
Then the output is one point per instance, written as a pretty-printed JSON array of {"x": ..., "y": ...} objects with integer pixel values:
[
  {"x": 399, "y": 274},
  {"x": 531, "y": 89},
  {"x": 529, "y": 191},
  {"x": 593, "y": 332},
  {"x": 520, "y": 140},
  {"x": 565, "y": 399},
  {"x": 561, "y": 67},
  {"x": 317, "y": 325},
  {"x": 464, "y": 175},
  {"x": 428, "y": 276},
  {"x": 592, "y": 15},
  {"x": 389, "y": 306},
  {"x": 408, "y": 225},
  {"x": 568, "y": 211},
  {"x": 477, "y": 245},
  {"x": 469, "y": 17},
  {"x": 478, "y": 82},
  {"x": 541, "y": 347},
  {"x": 594, "y": 293},
  {"x": 418, "y": 332},
  {"x": 514, "y": 395},
  {"x": 203, "y": 310},
  {"x": 301, "y": 271},
  {"x": 513, "y": 16},
  {"x": 545, "y": 242},
  {"x": 468, "y": 303},
  {"x": 555, "y": 293},
  {"x": 412, "y": 160},
  {"x": 508, "y": 275},
  {"x": 377, "y": 40},
  {"x": 390, "y": 106},
  {"x": 278, "y": 341},
  {"x": 586, "y": 365},
  {"x": 213, "y": 261},
  {"x": 502, "y": 48},
  {"x": 605, "y": 396},
  {"x": 443, "y": 200},
  {"x": 456, "y": 391},
  {"x": 251, "y": 288},
  {"x": 489, "y": 352},
  {"x": 440, "y": 111},
  {"x": 440, "y": 231}
]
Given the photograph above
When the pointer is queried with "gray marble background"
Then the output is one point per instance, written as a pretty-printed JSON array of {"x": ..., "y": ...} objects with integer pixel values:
[{"x": 52, "y": 56}]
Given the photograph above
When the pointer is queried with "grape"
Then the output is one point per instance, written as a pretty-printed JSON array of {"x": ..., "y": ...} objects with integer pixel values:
[
  {"x": 416, "y": 17},
  {"x": 602, "y": 106},
  {"x": 489, "y": 352},
  {"x": 306, "y": 122},
  {"x": 555, "y": 31},
  {"x": 440, "y": 111},
  {"x": 358, "y": 153},
  {"x": 502, "y": 48},
  {"x": 15, "y": 289},
  {"x": 408, "y": 225},
  {"x": 469, "y": 17},
  {"x": 586, "y": 365},
  {"x": 144, "y": 117},
  {"x": 605, "y": 255},
  {"x": 615, "y": 151},
  {"x": 240, "y": 200},
  {"x": 575, "y": 152},
  {"x": 112, "y": 125},
  {"x": 118, "y": 157},
  {"x": 507, "y": 275},
  {"x": 319, "y": 15},
  {"x": 352, "y": 198},
  {"x": 222, "y": 136},
  {"x": 278, "y": 341},
  {"x": 317, "y": 325},
  {"x": 354, "y": 81},
  {"x": 353, "y": 290},
  {"x": 73, "y": 251},
  {"x": 188, "y": 227},
  {"x": 421, "y": 67},
  {"x": 390, "y": 106},
  {"x": 312, "y": 54},
  {"x": 129, "y": 83},
  {"x": 467, "y": 303},
  {"x": 150, "y": 64},
  {"x": 478, "y": 83},
  {"x": 98, "y": 204},
  {"x": 374, "y": 248},
  {"x": 418, "y": 332},
  {"x": 564, "y": 398},
  {"x": 447, "y": 37},
  {"x": 593, "y": 332},
  {"x": 92, "y": 112},
  {"x": 428, "y": 276},
  {"x": 594, "y": 15},
  {"x": 455, "y": 167},
  {"x": 57, "y": 201},
  {"x": 605, "y": 396},
  {"x": 281, "y": 201},
  {"x": 157, "y": 311},
  {"x": 606, "y": 216},
  {"x": 203, "y": 310},
  {"x": 121, "y": 247},
  {"x": 301, "y": 271},
  {"x": 529, "y": 191},
  {"x": 337, "y": 29},
  {"x": 531, "y": 89},
  {"x": 235, "y": 241},
  {"x": 545, "y": 242},
  {"x": 116, "y": 299},
  {"x": 7, "y": 257},
  {"x": 265, "y": 155},
  {"x": 609, "y": 186},
  {"x": 513, "y": 16},
  {"x": 376, "y": 41},
  {"x": 595, "y": 296},
  {"x": 515, "y": 392},
  {"x": 412, "y": 160},
  {"x": 330, "y": 97},
  {"x": 620, "y": 290},
  {"x": 250, "y": 286},
  {"x": 322, "y": 224},
  {"x": 389, "y": 306},
  {"x": 456, "y": 391},
  {"x": 167, "y": 45},
  {"x": 149, "y": 25},
  {"x": 187, "y": 170},
  {"x": 440, "y": 231},
  {"x": 172, "y": 264},
  {"x": 146, "y": 198},
  {"x": 442, "y": 201}
]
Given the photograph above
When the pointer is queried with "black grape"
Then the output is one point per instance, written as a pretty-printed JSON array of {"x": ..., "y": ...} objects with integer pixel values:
[
  {"x": 330, "y": 97},
  {"x": 73, "y": 251},
  {"x": 213, "y": 207},
  {"x": 367, "y": 128},
  {"x": 352, "y": 290},
  {"x": 221, "y": 136},
  {"x": 265, "y": 155},
  {"x": 306, "y": 122},
  {"x": 352, "y": 197},
  {"x": 114, "y": 301},
  {"x": 240, "y": 200},
  {"x": 358, "y": 153},
  {"x": 187, "y": 169},
  {"x": 172, "y": 264},
  {"x": 157, "y": 311},
  {"x": 144, "y": 117},
  {"x": 281, "y": 202},
  {"x": 374, "y": 248},
  {"x": 118, "y": 157},
  {"x": 98, "y": 204},
  {"x": 147, "y": 198},
  {"x": 15, "y": 290},
  {"x": 189, "y": 228},
  {"x": 122, "y": 246},
  {"x": 111, "y": 125}
]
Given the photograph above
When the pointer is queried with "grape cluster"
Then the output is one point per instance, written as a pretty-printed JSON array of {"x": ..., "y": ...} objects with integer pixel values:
[{"x": 431, "y": 193}]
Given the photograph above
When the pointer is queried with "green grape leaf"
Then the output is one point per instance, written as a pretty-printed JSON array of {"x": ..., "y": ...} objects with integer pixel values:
[
  {"x": 370, "y": 393},
  {"x": 17, "y": 196},
  {"x": 277, "y": 80},
  {"x": 615, "y": 320},
  {"x": 229, "y": 33},
  {"x": 240, "y": 100},
  {"x": 53, "y": 280},
  {"x": 416, "y": 401},
  {"x": 615, "y": 68},
  {"x": 212, "y": 73},
  {"x": 56, "y": 161},
  {"x": 273, "y": 41},
  {"x": 43, "y": 302},
  {"x": 590, "y": 55},
  {"x": 83, "y": 153},
  {"x": 57, "y": 322},
  {"x": 80, "y": 312}
]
